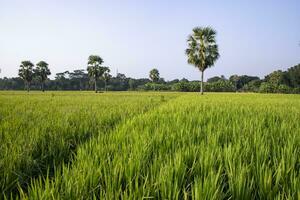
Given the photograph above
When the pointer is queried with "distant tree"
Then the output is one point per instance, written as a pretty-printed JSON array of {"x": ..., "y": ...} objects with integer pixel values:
[
  {"x": 106, "y": 77},
  {"x": 26, "y": 73},
  {"x": 220, "y": 86},
  {"x": 202, "y": 49},
  {"x": 121, "y": 76},
  {"x": 234, "y": 79},
  {"x": 79, "y": 76},
  {"x": 184, "y": 80},
  {"x": 154, "y": 75},
  {"x": 293, "y": 76},
  {"x": 181, "y": 86},
  {"x": 173, "y": 81},
  {"x": 240, "y": 81},
  {"x": 132, "y": 84},
  {"x": 42, "y": 72},
  {"x": 62, "y": 75},
  {"x": 252, "y": 86},
  {"x": 282, "y": 88},
  {"x": 214, "y": 79},
  {"x": 275, "y": 78},
  {"x": 95, "y": 70}
]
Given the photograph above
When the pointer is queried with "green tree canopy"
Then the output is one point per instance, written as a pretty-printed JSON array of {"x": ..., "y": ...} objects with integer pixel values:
[
  {"x": 154, "y": 75},
  {"x": 26, "y": 72},
  {"x": 42, "y": 72}
]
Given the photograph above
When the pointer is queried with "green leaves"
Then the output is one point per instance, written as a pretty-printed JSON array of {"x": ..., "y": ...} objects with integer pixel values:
[
  {"x": 42, "y": 71},
  {"x": 202, "y": 49},
  {"x": 154, "y": 75}
]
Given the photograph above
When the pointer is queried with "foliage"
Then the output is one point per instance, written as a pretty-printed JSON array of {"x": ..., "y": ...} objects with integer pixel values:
[
  {"x": 252, "y": 86},
  {"x": 293, "y": 75},
  {"x": 106, "y": 77},
  {"x": 42, "y": 72},
  {"x": 215, "y": 79},
  {"x": 276, "y": 78},
  {"x": 156, "y": 87},
  {"x": 266, "y": 87},
  {"x": 79, "y": 80},
  {"x": 220, "y": 86},
  {"x": 154, "y": 75},
  {"x": 240, "y": 81},
  {"x": 95, "y": 70},
  {"x": 26, "y": 72}
]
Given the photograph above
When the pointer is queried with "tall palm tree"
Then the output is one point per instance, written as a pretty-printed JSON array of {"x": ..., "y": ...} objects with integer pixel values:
[
  {"x": 106, "y": 77},
  {"x": 154, "y": 76},
  {"x": 42, "y": 71},
  {"x": 202, "y": 49},
  {"x": 26, "y": 73},
  {"x": 95, "y": 70}
]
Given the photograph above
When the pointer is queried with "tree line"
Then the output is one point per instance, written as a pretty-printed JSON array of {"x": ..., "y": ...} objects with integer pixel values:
[
  {"x": 276, "y": 82},
  {"x": 202, "y": 52}
]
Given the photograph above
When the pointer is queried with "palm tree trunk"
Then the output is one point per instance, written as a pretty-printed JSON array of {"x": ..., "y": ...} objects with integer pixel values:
[
  {"x": 95, "y": 85},
  {"x": 28, "y": 86},
  {"x": 201, "y": 86},
  {"x": 43, "y": 89},
  {"x": 105, "y": 85}
]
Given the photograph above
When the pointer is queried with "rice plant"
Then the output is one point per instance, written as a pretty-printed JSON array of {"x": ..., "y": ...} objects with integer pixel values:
[{"x": 188, "y": 146}]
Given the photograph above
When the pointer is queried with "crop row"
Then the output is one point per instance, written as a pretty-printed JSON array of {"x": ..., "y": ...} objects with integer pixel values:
[
  {"x": 40, "y": 132},
  {"x": 215, "y": 146}
]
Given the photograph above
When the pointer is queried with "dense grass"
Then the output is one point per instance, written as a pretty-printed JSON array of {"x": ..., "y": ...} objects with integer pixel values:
[
  {"x": 39, "y": 132},
  {"x": 216, "y": 146}
]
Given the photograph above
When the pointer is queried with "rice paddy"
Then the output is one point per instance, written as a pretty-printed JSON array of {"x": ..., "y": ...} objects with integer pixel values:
[{"x": 130, "y": 145}]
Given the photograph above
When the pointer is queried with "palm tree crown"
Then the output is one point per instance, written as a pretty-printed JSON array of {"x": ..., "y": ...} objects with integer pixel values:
[
  {"x": 202, "y": 49},
  {"x": 42, "y": 70},
  {"x": 94, "y": 66}
]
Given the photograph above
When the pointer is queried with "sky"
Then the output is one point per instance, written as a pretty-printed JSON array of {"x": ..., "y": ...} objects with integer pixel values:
[{"x": 133, "y": 36}]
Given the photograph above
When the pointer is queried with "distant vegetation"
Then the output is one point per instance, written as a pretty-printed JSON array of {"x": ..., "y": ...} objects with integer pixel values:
[{"x": 275, "y": 82}]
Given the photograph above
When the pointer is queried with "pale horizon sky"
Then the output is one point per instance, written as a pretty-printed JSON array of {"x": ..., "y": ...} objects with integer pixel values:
[{"x": 254, "y": 37}]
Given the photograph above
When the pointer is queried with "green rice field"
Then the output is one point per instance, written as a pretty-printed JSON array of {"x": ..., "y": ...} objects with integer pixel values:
[{"x": 149, "y": 145}]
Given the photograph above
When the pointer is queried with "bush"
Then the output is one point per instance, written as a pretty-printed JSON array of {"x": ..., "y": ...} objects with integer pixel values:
[
  {"x": 220, "y": 86},
  {"x": 156, "y": 87}
]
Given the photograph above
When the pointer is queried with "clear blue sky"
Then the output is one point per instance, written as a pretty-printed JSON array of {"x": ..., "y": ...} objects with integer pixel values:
[{"x": 255, "y": 37}]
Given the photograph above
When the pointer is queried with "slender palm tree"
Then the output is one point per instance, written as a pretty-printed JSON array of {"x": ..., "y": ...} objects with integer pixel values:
[
  {"x": 202, "y": 49},
  {"x": 42, "y": 72},
  {"x": 95, "y": 70},
  {"x": 106, "y": 77},
  {"x": 26, "y": 73}
]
